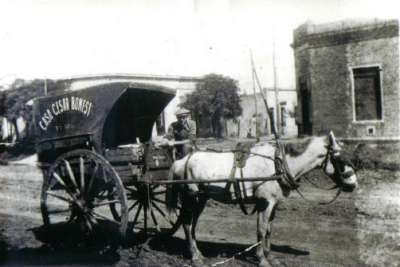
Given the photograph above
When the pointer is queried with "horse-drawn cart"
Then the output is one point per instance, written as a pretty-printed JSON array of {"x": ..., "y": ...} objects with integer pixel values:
[
  {"x": 98, "y": 164},
  {"x": 102, "y": 173}
]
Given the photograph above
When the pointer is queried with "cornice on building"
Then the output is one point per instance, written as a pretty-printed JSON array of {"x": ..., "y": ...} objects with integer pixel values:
[{"x": 343, "y": 32}]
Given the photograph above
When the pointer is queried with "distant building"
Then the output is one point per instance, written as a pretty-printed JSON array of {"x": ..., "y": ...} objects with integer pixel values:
[
  {"x": 347, "y": 78},
  {"x": 247, "y": 124}
]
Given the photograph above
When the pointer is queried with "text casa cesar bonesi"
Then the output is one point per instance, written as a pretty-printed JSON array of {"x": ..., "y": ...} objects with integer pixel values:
[{"x": 63, "y": 105}]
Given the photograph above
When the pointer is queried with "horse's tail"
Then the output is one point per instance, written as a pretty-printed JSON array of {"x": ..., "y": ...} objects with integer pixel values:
[{"x": 172, "y": 194}]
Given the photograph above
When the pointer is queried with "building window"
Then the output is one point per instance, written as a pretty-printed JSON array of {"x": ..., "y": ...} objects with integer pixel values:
[
  {"x": 283, "y": 117},
  {"x": 367, "y": 94},
  {"x": 371, "y": 130}
]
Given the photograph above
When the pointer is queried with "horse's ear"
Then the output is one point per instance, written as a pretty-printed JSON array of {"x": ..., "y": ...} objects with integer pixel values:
[
  {"x": 333, "y": 143},
  {"x": 331, "y": 136}
]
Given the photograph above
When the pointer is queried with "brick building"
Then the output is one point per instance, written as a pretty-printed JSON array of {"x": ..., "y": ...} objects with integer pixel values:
[{"x": 347, "y": 78}]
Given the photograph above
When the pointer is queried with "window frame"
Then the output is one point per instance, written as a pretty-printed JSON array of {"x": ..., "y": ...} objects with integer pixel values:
[{"x": 354, "y": 93}]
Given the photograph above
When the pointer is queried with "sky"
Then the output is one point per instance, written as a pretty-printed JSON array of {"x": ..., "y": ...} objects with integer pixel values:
[{"x": 62, "y": 39}]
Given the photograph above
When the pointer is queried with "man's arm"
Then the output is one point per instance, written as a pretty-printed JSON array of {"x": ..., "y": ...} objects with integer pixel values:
[
  {"x": 168, "y": 136},
  {"x": 170, "y": 133},
  {"x": 191, "y": 131}
]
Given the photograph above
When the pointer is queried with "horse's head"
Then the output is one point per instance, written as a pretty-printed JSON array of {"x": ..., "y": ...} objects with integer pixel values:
[{"x": 337, "y": 167}]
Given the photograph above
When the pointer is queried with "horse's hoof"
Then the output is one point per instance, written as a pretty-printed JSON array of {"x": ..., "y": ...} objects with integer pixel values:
[
  {"x": 197, "y": 262},
  {"x": 264, "y": 263},
  {"x": 274, "y": 262}
]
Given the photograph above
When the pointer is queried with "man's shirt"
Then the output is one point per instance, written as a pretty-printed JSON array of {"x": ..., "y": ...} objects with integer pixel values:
[{"x": 179, "y": 132}]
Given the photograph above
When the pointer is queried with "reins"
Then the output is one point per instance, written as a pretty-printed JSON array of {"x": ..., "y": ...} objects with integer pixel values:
[
  {"x": 319, "y": 187},
  {"x": 323, "y": 167},
  {"x": 330, "y": 153},
  {"x": 322, "y": 203}
]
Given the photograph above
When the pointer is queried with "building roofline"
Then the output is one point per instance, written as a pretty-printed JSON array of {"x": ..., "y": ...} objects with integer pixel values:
[
  {"x": 132, "y": 76},
  {"x": 343, "y": 32}
]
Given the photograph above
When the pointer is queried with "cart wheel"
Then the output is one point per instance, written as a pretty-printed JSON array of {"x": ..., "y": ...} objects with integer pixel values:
[
  {"x": 147, "y": 208},
  {"x": 76, "y": 195}
]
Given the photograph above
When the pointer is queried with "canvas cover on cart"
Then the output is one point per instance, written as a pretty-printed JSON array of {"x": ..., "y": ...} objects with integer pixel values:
[{"x": 112, "y": 114}]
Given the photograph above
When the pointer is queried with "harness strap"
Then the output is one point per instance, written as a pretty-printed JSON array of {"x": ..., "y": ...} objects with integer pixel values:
[
  {"x": 240, "y": 155},
  {"x": 231, "y": 177},
  {"x": 348, "y": 174},
  {"x": 243, "y": 185},
  {"x": 239, "y": 196},
  {"x": 185, "y": 174},
  {"x": 282, "y": 168}
]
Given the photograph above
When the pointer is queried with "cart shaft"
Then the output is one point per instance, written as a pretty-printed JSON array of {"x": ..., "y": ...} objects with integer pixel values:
[{"x": 199, "y": 181}]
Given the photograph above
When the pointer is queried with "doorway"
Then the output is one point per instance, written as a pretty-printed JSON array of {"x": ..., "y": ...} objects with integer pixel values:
[{"x": 305, "y": 108}]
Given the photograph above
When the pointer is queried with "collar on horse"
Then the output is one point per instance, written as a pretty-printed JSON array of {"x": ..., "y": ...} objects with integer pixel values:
[{"x": 282, "y": 168}]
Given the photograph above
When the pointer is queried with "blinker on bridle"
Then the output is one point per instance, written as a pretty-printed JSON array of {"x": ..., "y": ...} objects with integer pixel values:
[{"x": 333, "y": 155}]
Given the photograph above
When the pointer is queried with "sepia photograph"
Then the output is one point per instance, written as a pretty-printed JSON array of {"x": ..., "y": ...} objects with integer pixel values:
[{"x": 168, "y": 133}]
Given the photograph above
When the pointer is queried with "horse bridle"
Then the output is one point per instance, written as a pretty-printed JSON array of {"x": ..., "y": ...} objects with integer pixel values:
[
  {"x": 338, "y": 164},
  {"x": 333, "y": 156}
]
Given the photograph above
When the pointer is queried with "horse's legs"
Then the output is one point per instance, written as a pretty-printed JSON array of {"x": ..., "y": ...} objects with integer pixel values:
[
  {"x": 267, "y": 247},
  {"x": 188, "y": 213},
  {"x": 202, "y": 200},
  {"x": 264, "y": 211}
]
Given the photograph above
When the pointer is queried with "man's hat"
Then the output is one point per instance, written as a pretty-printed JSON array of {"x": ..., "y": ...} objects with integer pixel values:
[{"x": 182, "y": 111}]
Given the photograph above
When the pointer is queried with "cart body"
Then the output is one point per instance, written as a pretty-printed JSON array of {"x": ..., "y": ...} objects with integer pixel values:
[
  {"x": 98, "y": 163},
  {"x": 113, "y": 119}
]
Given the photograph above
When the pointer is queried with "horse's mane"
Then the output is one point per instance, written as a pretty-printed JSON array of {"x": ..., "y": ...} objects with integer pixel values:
[
  {"x": 293, "y": 148},
  {"x": 299, "y": 146}
]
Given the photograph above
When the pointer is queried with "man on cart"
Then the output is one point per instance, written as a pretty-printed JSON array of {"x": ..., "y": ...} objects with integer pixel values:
[{"x": 184, "y": 133}]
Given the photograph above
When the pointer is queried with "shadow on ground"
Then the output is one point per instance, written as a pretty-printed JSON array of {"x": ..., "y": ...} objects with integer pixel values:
[
  {"x": 57, "y": 254},
  {"x": 66, "y": 248},
  {"x": 215, "y": 251}
]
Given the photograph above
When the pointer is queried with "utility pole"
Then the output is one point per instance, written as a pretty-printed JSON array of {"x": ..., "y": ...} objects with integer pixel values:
[
  {"x": 273, "y": 129},
  {"x": 277, "y": 110},
  {"x": 255, "y": 102}
]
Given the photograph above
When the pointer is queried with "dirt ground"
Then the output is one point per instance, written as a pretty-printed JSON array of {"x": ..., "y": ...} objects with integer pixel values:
[{"x": 358, "y": 229}]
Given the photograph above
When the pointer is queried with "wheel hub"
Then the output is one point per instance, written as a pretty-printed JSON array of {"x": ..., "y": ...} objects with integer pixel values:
[{"x": 79, "y": 207}]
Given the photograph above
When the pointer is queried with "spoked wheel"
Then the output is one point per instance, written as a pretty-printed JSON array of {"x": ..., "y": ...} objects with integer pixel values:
[
  {"x": 147, "y": 208},
  {"x": 76, "y": 195}
]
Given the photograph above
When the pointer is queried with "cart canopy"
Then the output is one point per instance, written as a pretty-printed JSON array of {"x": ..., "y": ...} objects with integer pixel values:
[{"x": 112, "y": 114}]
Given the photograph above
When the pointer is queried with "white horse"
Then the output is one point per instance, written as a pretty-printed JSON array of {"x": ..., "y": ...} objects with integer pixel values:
[{"x": 266, "y": 195}]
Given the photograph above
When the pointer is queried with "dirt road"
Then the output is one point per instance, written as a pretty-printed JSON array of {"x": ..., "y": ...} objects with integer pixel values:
[{"x": 358, "y": 229}]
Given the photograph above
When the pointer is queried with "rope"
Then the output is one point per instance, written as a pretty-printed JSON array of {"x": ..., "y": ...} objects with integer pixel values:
[{"x": 237, "y": 254}]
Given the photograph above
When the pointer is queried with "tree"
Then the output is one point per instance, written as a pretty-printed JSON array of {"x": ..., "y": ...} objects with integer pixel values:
[
  {"x": 216, "y": 97},
  {"x": 19, "y": 94}
]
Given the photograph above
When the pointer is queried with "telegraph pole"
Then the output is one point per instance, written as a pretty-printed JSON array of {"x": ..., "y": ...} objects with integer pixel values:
[
  {"x": 277, "y": 110},
  {"x": 255, "y": 101}
]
